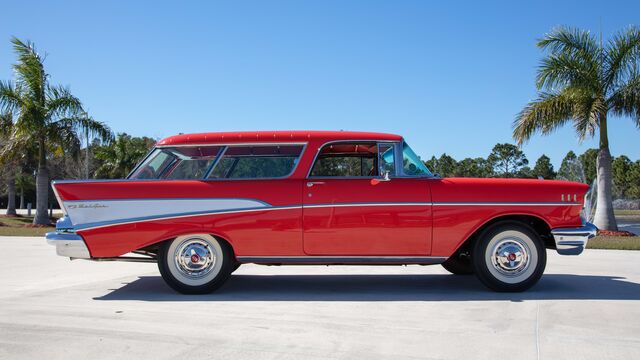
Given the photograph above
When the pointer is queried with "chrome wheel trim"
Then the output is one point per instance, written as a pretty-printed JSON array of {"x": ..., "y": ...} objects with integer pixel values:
[
  {"x": 195, "y": 260},
  {"x": 511, "y": 256}
]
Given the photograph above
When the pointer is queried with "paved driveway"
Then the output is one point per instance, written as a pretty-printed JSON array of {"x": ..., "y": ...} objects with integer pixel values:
[{"x": 584, "y": 307}]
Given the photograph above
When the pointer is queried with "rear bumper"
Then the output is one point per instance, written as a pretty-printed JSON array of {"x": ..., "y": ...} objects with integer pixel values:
[
  {"x": 572, "y": 241},
  {"x": 68, "y": 245}
]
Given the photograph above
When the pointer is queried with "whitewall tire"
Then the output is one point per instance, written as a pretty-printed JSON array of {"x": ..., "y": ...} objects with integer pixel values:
[
  {"x": 509, "y": 257},
  {"x": 196, "y": 263}
]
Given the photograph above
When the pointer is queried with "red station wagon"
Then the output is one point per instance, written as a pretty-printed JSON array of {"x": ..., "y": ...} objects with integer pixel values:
[{"x": 200, "y": 205}]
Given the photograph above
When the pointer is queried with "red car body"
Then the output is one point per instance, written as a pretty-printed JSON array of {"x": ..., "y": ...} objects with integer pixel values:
[{"x": 300, "y": 218}]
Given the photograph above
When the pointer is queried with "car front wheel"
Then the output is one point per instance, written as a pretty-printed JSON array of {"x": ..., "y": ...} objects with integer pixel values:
[
  {"x": 509, "y": 257},
  {"x": 195, "y": 264}
]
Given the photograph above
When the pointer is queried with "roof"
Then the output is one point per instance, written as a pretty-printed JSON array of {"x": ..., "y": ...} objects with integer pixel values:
[{"x": 273, "y": 136}]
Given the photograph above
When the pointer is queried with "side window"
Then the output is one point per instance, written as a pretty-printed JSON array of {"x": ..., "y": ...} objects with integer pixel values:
[
  {"x": 190, "y": 162},
  {"x": 411, "y": 163},
  {"x": 253, "y": 162},
  {"x": 175, "y": 163},
  {"x": 347, "y": 160},
  {"x": 386, "y": 158}
]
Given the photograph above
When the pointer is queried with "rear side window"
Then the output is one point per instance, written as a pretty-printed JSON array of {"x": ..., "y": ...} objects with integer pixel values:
[
  {"x": 254, "y": 162},
  {"x": 175, "y": 163}
]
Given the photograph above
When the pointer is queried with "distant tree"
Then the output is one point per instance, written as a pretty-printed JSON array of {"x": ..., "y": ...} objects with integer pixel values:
[
  {"x": 24, "y": 182},
  {"x": 622, "y": 168},
  {"x": 477, "y": 167},
  {"x": 544, "y": 168},
  {"x": 571, "y": 168},
  {"x": 119, "y": 157},
  {"x": 525, "y": 172},
  {"x": 589, "y": 161},
  {"x": 444, "y": 166},
  {"x": 8, "y": 162},
  {"x": 633, "y": 177},
  {"x": 506, "y": 160}
]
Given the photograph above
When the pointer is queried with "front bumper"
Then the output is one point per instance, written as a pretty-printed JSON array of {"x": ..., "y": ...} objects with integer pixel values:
[
  {"x": 67, "y": 242},
  {"x": 572, "y": 241}
]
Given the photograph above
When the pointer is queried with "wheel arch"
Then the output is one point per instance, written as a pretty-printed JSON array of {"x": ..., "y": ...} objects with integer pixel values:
[
  {"x": 537, "y": 223},
  {"x": 224, "y": 241}
]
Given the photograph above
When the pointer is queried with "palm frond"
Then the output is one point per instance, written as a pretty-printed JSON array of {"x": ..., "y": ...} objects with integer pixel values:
[
  {"x": 82, "y": 124},
  {"x": 564, "y": 69},
  {"x": 545, "y": 114},
  {"x": 10, "y": 99},
  {"x": 29, "y": 69},
  {"x": 623, "y": 56},
  {"x": 586, "y": 115},
  {"x": 61, "y": 102},
  {"x": 626, "y": 100},
  {"x": 568, "y": 40}
]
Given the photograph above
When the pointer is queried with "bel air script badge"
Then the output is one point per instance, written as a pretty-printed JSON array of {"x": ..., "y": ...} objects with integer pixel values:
[{"x": 86, "y": 206}]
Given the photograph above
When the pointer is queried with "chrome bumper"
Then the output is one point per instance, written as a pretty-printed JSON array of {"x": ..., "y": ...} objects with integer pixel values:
[
  {"x": 67, "y": 243},
  {"x": 572, "y": 241}
]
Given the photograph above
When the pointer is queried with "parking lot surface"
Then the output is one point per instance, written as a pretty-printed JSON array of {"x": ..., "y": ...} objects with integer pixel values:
[{"x": 585, "y": 307}]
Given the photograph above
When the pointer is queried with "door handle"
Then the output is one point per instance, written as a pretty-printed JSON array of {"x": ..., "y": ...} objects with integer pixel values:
[{"x": 311, "y": 183}]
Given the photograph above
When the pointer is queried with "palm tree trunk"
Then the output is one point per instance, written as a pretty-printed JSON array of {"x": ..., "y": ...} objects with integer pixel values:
[
  {"x": 42, "y": 188},
  {"x": 11, "y": 192},
  {"x": 604, "y": 218},
  {"x": 22, "y": 198}
]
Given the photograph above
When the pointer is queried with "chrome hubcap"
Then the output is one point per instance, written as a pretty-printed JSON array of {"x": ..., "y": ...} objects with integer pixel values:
[
  {"x": 510, "y": 257},
  {"x": 194, "y": 258}
]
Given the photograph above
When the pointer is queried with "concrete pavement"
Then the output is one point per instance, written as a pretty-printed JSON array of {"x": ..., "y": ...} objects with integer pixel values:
[{"x": 585, "y": 307}]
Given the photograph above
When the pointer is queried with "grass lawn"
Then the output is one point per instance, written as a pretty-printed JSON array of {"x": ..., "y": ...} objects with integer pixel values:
[
  {"x": 627, "y": 216},
  {"x": 615, "y": 243},
  {"x": 19, "y": 226}
]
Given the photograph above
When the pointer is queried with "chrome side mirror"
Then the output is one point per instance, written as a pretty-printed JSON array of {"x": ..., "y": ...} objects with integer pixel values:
[{"x": 384, "y": 177}]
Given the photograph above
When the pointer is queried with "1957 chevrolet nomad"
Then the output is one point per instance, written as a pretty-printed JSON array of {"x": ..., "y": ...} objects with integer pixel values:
[{"x": 202, "y": 204}]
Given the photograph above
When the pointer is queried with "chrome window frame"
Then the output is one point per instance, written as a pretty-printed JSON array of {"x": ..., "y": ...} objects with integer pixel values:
[
  {"x": 227, "y": 146},
  {"x": 224, "y": 147},
  {"x": 398, "y": 157},
  {"x": 315, "y": 158}
]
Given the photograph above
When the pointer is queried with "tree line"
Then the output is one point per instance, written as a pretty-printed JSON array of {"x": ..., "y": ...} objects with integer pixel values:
[{"x": 509, "y": 161}]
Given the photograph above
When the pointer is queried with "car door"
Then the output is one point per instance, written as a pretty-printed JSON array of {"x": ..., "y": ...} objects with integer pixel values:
[{"x": 350, "y": 209}]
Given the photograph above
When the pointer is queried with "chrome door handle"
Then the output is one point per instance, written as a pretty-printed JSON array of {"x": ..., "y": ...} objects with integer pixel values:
[{"x": 311, "y": 183}]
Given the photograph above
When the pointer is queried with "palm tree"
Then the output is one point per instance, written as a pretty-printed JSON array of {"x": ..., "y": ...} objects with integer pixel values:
[
  {"x": 120, "y": 156},
  {"x": 6, "y": 127},
  {"x": 582, "y": 81},
  {"x": 46, "y": 115}
]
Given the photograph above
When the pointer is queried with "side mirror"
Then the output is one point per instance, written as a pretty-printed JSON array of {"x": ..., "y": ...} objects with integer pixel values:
[{"x": 384, "y": 177}]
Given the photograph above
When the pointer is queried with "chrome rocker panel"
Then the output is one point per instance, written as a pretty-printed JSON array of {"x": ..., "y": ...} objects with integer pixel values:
[{"x": 572, "y": 241}]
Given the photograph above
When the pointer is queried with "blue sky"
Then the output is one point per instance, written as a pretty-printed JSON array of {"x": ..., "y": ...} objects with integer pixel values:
[{"x": 449, "y": 76}]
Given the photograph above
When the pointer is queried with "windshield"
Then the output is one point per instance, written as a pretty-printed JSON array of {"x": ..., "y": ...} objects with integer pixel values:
[{"x": 411, "y": 163}]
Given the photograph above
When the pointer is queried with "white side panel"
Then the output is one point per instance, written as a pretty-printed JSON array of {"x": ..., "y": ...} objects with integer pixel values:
[{"x": 94, "y": 213}]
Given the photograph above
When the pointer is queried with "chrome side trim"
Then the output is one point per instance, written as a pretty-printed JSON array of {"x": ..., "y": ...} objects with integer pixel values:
[
  {"x": 279, "y": 142},
  {"x": 338, "y": 260},
  {"x": 572, "y": 241},
  {"x": 68, "y": 245},
  {"x": 505, "y": 204},
  {"x": 367, "y": 204}
]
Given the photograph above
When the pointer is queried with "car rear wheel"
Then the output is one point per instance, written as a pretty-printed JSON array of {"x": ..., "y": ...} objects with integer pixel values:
[
  {"x": 509, "y": 257},
  {"x": 195, "y": 264},
  {"x": 459, "y": 265}
]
